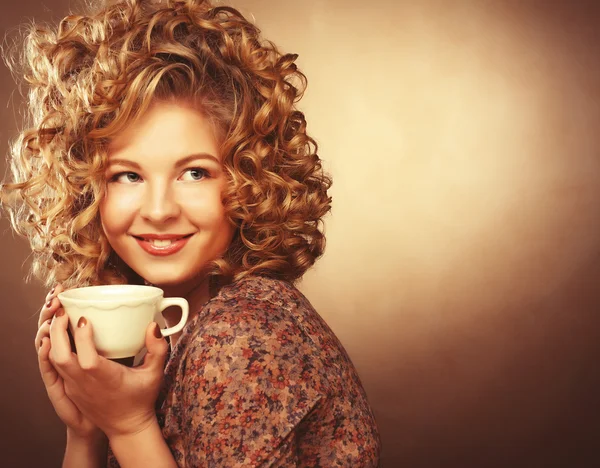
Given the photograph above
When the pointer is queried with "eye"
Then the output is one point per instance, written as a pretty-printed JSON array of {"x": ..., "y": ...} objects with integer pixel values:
[
  {"x": 195, "y": 173},
  {"x": 126, "y": 178}
]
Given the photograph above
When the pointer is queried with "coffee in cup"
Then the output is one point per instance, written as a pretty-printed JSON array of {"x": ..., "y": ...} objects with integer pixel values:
[{"x": 120, "y": 315}]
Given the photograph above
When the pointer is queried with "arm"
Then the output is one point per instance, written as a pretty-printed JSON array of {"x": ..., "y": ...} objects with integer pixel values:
[
  {"x": 85, "y": 452},
  {"x": 146, "y": 448}
]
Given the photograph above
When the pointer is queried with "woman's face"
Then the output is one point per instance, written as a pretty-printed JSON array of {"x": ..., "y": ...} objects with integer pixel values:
[{"x": 163, "y": 212}]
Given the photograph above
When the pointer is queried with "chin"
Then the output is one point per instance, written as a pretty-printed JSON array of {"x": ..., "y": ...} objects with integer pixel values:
[{"x": 167, "y": 280}]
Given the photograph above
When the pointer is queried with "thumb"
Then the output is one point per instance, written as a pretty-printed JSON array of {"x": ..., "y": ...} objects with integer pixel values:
[{"x": 156, "y": 347}]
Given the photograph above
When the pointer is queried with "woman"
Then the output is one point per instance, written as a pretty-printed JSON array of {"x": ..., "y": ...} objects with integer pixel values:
[{"x": 166, "y": 148}]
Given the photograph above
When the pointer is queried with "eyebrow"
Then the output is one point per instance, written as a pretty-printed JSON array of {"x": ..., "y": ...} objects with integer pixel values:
[{"x": 181, "y": 162}]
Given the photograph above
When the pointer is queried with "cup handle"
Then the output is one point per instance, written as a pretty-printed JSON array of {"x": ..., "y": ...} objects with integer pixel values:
[{"x": 185, "y": 309}]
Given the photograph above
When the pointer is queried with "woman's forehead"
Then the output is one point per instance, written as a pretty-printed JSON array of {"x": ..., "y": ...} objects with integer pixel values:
[{"x": 166, "y": 127}]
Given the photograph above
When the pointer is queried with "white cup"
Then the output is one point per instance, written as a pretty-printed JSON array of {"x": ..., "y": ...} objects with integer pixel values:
[{"x": 120, "y": 315}]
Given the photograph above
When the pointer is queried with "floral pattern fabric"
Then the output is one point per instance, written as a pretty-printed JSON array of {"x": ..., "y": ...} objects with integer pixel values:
[{"x": 258, "y": 379}]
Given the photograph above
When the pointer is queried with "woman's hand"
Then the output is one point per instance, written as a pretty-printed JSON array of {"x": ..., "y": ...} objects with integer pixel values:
[
  {"x": 118, "y": 399},
  {"x": 67, "y": 411}
]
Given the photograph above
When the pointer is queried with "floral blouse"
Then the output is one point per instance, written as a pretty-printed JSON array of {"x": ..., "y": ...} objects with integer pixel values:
[{"x": 258, "y": 378}]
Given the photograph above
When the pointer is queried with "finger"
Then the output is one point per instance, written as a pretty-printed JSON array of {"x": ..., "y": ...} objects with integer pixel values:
[
  {"x": 54, "y": 291},
  {"x": 42, "y": 332},
  {"x": 87, "y": 355},
  {"x": 52, "y": 380},
  {"x": 50, "y": 293},
  {"x": 157, "y": 347},
  {"x": 48, "y": 310},
  {"x": 61, "y": 356},
  {"x": 51, "y": 306},
  {"x": 48, "y": 372},
  {"x": 71, "y": 340}
]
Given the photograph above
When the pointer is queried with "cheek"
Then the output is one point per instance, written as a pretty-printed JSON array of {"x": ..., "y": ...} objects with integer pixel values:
[
  {"x": 205, "y": 208},
  {"x": 115, "y": 213}
]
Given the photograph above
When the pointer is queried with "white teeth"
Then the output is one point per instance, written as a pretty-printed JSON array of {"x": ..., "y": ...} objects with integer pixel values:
[{"x": 160, "y": 242}]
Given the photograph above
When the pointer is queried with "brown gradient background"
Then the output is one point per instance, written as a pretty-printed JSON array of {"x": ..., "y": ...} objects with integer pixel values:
[{"x": 463, "y": 264}]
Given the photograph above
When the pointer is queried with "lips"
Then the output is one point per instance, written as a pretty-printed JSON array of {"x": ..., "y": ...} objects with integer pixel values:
[{"x": 162, "y": 244}]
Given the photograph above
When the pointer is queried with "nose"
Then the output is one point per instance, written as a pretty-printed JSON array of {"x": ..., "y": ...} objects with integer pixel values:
[{"x": 159, "y": 204}]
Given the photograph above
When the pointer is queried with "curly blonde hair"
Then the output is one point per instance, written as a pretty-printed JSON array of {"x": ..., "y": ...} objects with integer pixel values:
[{"x": 94, "y": 74}]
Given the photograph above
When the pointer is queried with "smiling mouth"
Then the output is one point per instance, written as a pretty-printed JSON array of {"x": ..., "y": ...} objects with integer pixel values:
[{"x": 162, "y": 243}]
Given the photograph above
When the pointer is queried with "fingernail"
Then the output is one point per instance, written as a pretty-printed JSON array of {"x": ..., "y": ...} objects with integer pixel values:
[
  {"x": 82, "y": 322},
  {"x": 49, "y": 321},
  {"x": 60, "y": 312},
  {"x": 52, "y": 290},
  {"x": 49, "y": 303},
  {"x": 157, "y": 332}
]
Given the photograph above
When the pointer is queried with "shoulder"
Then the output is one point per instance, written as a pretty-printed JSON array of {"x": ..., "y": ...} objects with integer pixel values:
[
  {"x": 272, "y": 314},
  {"x": 255, "y": 300},
  {"x": 252, "y": 325},
  {"x": 260, "y": 290}
]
